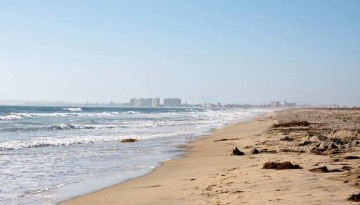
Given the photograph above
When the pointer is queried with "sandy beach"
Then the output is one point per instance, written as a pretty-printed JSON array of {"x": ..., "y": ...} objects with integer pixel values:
[{"x": 210, "y": 174}]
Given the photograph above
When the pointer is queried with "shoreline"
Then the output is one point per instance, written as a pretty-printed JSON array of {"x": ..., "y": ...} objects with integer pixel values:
[
  {"x": 183, "y": 151},
  {"x": 207, "y": 174}
]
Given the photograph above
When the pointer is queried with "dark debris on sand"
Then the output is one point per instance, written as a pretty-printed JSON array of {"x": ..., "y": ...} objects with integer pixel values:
[
  {"x": 292, "y": 150},
  {"x": 351, "y": 157},
  {"x": 354, "y": 197},
  {"x": 129, "y": 140},
  {"x": 324, "y": 169},
  {"x": 281, "y": 165},
  {"x": 223, "y": 140},
  {"x": 287, "y": 138},
  {"x": 254, "y": 151},
  {"x": 293, "y": 124},
  {"x": 237, "y": 152},
  {"x": 328, "y": 133},
  {"x": 268, "y": 151},
  {"x": 347, "y": 168}
]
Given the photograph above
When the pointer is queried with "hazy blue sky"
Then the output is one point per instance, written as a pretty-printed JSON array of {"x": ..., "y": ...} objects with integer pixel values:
[{"x": 199, "y": 50}]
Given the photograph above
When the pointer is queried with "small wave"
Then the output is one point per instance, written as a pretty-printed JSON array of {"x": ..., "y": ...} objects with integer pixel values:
[
  {"x": 84, "y": 126},
  {"x": 18, "y": 116},
  {"x": 60, "y": 185},
  {"x": 78, "y": 109},
  {"x": 139, "y": 124},
  {"x": 11, "y": 117},
  {"x": 69, "y": 126},
  {"x": 192, "y": 110},
  {"x": 46, "y": 142},
  {"x": 131, "y": 112},
  {"x": 62, "y": 127},
  {"x": 55, "y": 142},
  {"x": 36, "y": 191}
]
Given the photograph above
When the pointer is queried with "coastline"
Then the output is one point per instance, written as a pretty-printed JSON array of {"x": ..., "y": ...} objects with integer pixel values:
[
  {"x": 208, "y": 174},
  {"x": 184, "y": 153}
]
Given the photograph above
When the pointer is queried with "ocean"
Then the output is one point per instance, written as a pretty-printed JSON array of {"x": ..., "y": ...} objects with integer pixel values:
[{"x": 50, "y": 154}]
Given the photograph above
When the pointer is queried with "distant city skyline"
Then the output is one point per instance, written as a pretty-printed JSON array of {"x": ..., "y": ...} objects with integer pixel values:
[
  {"x": 131, "y": 103},
  {"x": 166, "y": 102},
  {"x": 232, "y": 51}
]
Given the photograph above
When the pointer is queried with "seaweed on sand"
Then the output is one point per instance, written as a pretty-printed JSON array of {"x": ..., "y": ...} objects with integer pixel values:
[
  {"x": 351, "y": 157},
  {"x": 293, "y": 124},
  {"x": 287, "y": 138},
  {"x": 129, "y": 140},
  {"x": 281, "y": 165},
  {"x": 224, "y": 139}
]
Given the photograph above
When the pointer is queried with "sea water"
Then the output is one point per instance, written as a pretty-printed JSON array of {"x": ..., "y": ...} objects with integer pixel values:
[{"x": 50, "y": 154}]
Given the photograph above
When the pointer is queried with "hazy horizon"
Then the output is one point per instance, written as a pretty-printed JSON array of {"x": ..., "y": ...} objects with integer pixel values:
[
  {"x": 200, "y": 51},
  {"x": 184, "y": 102}
]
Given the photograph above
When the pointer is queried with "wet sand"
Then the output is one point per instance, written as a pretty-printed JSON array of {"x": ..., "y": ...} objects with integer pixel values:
[{"x": 209, "y": 174}]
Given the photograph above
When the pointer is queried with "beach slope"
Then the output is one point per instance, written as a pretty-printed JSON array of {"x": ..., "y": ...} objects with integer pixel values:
[{"x": 210, "y": 174}]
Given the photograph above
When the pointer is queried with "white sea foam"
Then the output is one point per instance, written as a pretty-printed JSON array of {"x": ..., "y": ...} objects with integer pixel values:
[
  {"x": 78, "y": 109},
  {"x": 47, "y": 150},
  {"x": 51, "y": 141},
  {"x": 131, "y": 112},
  {"x": 120, "y": 125},
  {"x": 11, "y": 117},
  {"x": 74, "y": 113},
  {"x": 81, "y": 126}
]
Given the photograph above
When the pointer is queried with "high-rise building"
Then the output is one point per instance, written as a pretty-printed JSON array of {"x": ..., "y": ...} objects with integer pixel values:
[
  {"x": 147, "y": 102},
  {"x": 275, "y": 104},
  {"x": 172, "y": 102},
  {"x": 155, "y": 102},
  {"x": 137, "y": 102},
  {"x": 286, "y": 104},
  {"x": 132, "y": 102}
]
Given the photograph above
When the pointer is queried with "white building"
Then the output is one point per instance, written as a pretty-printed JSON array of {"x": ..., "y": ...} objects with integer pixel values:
[
  {"x": 275, "y": 104},
  {"x": 172, "y": 102},
  {"x": 145, "y": 102},
  {"x": 155, "y": 102}
]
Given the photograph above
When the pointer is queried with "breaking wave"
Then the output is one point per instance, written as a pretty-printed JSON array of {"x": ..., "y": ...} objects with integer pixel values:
[
  {"x": 73, "y": 109},
  {"x": 131, "y": 112},
  {"x": 19, "y": 116},
  {"x": 11, "y": 117},
  {"x": 54, "y": 142},
  {"x": 74, "y": 126},
  {"x": 70, "y": 126}
]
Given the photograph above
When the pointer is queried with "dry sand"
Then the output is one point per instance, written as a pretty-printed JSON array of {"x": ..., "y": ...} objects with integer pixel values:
[{"x": 208, "y": 174}]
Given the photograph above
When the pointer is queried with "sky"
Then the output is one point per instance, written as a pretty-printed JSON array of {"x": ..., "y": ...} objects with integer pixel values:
[{"x": 229, "y": 51}]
